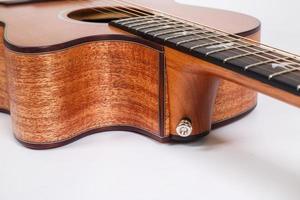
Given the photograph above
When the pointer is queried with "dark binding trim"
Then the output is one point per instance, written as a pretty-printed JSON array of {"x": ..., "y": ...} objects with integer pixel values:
[
  {"x": 233, "y": 119},
  {"x": 131, "y": 129},
  {"x": 5, "y": 111},
  {"x": 192, "y": 138},
  {"x": 162, "y": 93},
  {"x": 136, "y": 39},
  {"x": 79, "y": 41},
  {"x": 17, "y": 2},
  {"x": 112, "y": 128},
  {"x": 161, "y": 116},
  {"x": 250, "y": 32},
  {"x": 95, "y": 38},
  {"x": 214, "y": 126}
]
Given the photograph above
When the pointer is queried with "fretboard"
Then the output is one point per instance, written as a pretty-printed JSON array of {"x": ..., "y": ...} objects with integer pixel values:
[{"x": 274, "y": 67}]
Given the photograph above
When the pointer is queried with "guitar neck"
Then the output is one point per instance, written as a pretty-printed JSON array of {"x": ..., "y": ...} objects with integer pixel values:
[{"x": 266, "y": 65}]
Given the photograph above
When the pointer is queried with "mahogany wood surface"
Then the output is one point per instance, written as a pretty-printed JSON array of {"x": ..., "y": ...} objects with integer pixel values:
[
  {"x": 193, "y": 67},
  {"x": 216, "y": 99},
  {"x": 3, "y": 83},
  {"x": 67, "y": 78},
  {"x": 69, "y": 96},
  {"x": 49, "y": 25}
]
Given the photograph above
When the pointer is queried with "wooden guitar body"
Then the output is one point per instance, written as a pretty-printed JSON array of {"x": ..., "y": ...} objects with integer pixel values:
[{"x": 62, "y": 79}]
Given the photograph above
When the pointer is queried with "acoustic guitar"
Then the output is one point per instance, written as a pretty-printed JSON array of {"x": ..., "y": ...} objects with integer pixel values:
[{"x": 169, "y": 71}]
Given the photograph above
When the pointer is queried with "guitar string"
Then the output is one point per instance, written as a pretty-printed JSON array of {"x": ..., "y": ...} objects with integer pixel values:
[
  {"x": 272, "y": 74},
  {"x": 243, "y": 40},
  {"x": 181, "y": 19},
  {"x": 131, "y": 13},
  {"x": 238, "y": 48},
  {"x": 146, "y": 13}
]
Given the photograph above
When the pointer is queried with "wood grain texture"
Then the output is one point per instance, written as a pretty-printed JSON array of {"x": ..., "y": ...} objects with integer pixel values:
[
  {"x": 57, "y": 96},
  {"x": 233, "y": 99},
  {"x": 60, "y": 29},
  {"x": 202, "y": 97},
  {"x": 191, "y": 95},
  {"x": 4, "y": 103},
  {"x": 41, "y": 116},
  {"x": 195, "y": 65}
]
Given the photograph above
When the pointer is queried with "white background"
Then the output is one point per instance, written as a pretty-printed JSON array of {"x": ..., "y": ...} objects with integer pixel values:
[{"x": 255, "y": 158}]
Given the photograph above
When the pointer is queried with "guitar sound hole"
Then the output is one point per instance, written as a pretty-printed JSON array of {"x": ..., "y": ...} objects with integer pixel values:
[{"x": 105, "y": 14}]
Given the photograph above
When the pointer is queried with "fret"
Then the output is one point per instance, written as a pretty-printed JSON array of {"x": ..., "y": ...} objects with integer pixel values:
[
  {"x": 212, "y": 44},
  {"x": 245, "y": 55},
  {"x": 131, "y": 18},
  {"x": 152, "y": 23},
  {"x": 158, "y": 29},
  {"x": 283, "y": 72},
  {"x": 183, "y": 35},
  {"x": 196, "y": 39},
  {"x": 290, "y": 79},
  {"x": 141, "y": 24},
  {"x": 151, "y": 26},
  {"x": 137, "y": 20},
  {"x": 167, "y": 32},
  {"x": 264, "y": 62},
  {"x": 295, "y": 60},
  {"x": 287, "y": 59},
  {"x": 263, "y": 65},
  {"x": 187, "y": 41},
  {"x": 163, "y": 28},
  {"x": 204, "y": 45},
  {"x": 228, "y": 48}
]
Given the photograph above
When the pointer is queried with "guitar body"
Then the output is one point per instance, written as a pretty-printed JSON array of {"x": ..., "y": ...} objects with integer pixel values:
[{"x": 62, "y": 78}]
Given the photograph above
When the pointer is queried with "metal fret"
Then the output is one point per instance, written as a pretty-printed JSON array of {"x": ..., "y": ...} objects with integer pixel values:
[
  {"x": 196, "y": 39},
  {"x": 227, "y": 48},
  {"x": 209, "y": 44},
  {"x": 167, "y": 32},
  {"x": 244, "y": 55},
  {"x": 158, "y": 29},
  {"x": 283, "y": 72},
  {"x": 142, "y": 23},
  {"x": 131, "y": 18},
  {"x": 204, "y": 45},
  {"x": 164, "y": 28},
  {"x": 151, "y": 26},
  {"x": 264, "y": 62},
  {"x": 182, "y": 35},
  {"x": 137, "y": 20}
]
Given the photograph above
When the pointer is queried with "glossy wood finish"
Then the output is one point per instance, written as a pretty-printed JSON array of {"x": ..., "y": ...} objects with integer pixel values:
[
  {"x": 57, "y": 96},
  {"x": 262, "y": 64},
  {"x": 3, "y": 82},
  {"x": 215, "y": 99},
  {"x": 233, "y": 99},
  {"x": 70, "y": 71},
  {"x": 61, "y": 87},
  {"x": 59, "y": 29},
  {"x": 195, "y": 65}
]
